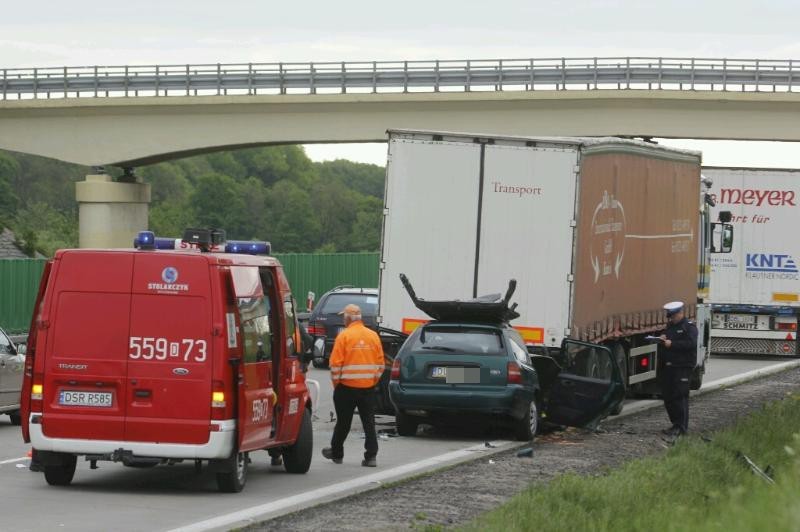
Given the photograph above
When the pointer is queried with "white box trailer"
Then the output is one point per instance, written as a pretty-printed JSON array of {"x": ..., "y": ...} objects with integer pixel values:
[
  {"x": 755, "y": 291},
  {"x": 598, "y": 233}
]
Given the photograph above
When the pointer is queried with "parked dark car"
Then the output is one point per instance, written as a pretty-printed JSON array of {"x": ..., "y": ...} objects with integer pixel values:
[
  {"x": 326, "y": 323},
  {"x": 451, "y": 370}
]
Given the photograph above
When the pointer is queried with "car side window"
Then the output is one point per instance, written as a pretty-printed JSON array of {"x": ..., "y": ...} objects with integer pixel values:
[
  {"x": 519, "y": 349},
  {"x": 255, "y": 313},
  {"x": 5, "y": 345}
]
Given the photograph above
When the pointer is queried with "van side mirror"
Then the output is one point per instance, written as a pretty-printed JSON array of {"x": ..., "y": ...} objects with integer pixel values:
[
  {"x": 721, "y": 238},
  {"x": 22, "y": 349}
]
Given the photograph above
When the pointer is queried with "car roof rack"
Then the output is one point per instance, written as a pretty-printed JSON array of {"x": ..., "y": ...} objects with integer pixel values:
[
  {"x": 341, "y": 287},
  {"x": 492, "y": 308}
]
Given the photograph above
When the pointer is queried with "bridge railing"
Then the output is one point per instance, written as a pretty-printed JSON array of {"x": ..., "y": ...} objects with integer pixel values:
[{"x": 660, "y": 73}]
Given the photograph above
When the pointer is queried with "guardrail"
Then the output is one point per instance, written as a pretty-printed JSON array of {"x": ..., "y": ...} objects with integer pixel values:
[{"x": 660, "y": 73}]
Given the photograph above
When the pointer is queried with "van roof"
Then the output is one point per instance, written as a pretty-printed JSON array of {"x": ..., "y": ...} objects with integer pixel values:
[{"x": 227, "y": 259}]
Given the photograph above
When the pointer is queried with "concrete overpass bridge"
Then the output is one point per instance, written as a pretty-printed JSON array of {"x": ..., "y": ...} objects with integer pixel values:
[{"x": 130, "y": 116}]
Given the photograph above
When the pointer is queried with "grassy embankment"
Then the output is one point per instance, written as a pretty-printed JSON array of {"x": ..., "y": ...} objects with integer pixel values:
[{"x": 696, "y": 485}]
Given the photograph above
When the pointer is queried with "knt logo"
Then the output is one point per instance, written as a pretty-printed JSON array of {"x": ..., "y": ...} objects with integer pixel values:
[{"x": 763, "y": 262}]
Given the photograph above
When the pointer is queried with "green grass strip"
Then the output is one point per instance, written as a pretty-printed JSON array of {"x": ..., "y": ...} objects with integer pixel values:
[{"x": 696, "y": 485}]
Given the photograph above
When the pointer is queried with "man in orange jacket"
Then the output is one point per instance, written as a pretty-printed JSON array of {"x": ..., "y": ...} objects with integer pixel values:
[{"x": 356, "y": 367}]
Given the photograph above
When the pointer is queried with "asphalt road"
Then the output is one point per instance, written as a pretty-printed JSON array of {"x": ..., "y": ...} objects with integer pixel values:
[{"x": 114, "y": 497}]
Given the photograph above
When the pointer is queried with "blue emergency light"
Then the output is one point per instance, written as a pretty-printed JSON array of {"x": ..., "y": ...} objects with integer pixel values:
[
  {"x": 248, "y": 247},
  {"x": 147, "y": 240}
]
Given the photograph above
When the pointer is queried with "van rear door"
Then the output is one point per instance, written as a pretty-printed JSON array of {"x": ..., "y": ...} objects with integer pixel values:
[
  {"x": 169, "y": 350},
  {"x": 85, "y": 356}
]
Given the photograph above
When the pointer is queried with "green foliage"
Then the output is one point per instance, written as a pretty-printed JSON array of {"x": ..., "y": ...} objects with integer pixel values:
[
  {"x": 271, "y": 193},
  {"x": 696, "y": 486}
]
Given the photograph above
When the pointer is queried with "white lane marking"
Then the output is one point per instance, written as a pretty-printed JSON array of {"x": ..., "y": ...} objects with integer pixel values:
[
  {"x": 3, "y": 462},
  {"x": 639, "y": 406},
  {"x": 249, "y": 515}
]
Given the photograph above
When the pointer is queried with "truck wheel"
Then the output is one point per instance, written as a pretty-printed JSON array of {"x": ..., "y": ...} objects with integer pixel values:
[
  {"x": 235, "y": 477},
  {"x": 696, "y": 380},
  {"x": 15, "y": 417},
  {"x": 297, "y": 457},
  {"x": 525, "y": 429},
  {"x": 406, "y": 425},
  {"x": 60, "y": 474}
]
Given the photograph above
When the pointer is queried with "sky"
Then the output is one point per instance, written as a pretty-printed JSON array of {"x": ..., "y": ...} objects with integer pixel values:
[{"x": 116, "y": 32}]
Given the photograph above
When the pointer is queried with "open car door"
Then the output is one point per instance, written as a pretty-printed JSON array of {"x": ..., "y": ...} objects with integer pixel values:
[{"x": 586, "y": 387}]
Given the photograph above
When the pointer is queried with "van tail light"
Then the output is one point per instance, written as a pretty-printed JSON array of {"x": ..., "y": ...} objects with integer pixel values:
[
  {"x": 37, "y": 394},
  {"x": 514, "y": 373},
  {"x": 218, "y": 400},
  {"x": 786, "y": 326},
  {"x": 315, "y": 330},
  {"x": 395, "y": 374}
]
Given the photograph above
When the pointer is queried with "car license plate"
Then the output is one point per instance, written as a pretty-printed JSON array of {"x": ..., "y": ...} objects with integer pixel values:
[
  {"x": 439, "y": 372},
  {"x": 79, "y": 398}
]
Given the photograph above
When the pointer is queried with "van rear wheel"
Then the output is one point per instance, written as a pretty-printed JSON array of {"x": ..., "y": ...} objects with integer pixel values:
[
  {"x": 297, "y": 457},
  {"x": 233, "y": 479},
  {"x": 15, "y": 417},
  {"x": 62, "y": 469}
]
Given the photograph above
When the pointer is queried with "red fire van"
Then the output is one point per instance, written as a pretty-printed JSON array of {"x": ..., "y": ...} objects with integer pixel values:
[{"x": 156, "y": 355}]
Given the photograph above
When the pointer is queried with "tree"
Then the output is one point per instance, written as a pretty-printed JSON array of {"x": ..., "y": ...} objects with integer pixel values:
[
  {"x": 217, "y": 203},
  {"x": 292, "y": 223}
]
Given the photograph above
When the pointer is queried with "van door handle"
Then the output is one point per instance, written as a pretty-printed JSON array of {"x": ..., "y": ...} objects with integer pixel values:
[{"x": 142, "y": 393}]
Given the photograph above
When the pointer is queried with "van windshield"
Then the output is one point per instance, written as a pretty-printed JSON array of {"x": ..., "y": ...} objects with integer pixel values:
[{"x": 457, "y": 340}]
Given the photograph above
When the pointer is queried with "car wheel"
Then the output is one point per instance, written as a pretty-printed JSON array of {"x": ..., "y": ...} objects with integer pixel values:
[
  {"x": 525, "y": 429},
  {"x": 235, "y": 477},
  {"x": 297, "y": 457},
  {"x": 16, "y": 418},
  {"x": 61, "y": 474},
  {"x": 406, "y": 425}
]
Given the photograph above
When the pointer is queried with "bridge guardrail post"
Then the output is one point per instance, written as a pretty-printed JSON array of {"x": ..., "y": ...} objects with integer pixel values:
[
  {"x": 250, "y": 79},
  {"x": 758, "y": 76},
  {"x": 344, "y": 81},
  {"x": 5, "y": 83},
  {"x": 281, "y": 80},
  {"x": 791, "y": 75},
  {"x": 563, "y": 74},
  {"x": 374, "y": 77},
  {"x": 533, "y": 76},
  {"x": 405, "y": 76}
]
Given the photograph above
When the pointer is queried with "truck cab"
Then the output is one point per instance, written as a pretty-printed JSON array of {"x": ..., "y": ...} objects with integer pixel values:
[{"x": 156, "y": 355}]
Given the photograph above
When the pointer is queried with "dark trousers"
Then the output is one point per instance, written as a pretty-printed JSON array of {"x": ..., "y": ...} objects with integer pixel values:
[
  {"x": 346, "y": 400},
  {"x": 675, "y": 391}
]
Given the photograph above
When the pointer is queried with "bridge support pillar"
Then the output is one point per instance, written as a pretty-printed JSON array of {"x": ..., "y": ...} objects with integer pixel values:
[{"x": 110, "y": 212}]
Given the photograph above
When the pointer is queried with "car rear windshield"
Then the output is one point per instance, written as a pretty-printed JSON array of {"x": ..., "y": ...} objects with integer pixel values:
[
  {"x": 334, "y": 303},
  {"x": 457, "y": 340}
]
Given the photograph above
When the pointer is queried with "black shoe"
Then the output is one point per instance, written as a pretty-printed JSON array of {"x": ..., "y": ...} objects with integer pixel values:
[
  {"x": 276, "y": 460},
  {"x": 369, "y": 462},
  {"x": 327, "y": 452}
]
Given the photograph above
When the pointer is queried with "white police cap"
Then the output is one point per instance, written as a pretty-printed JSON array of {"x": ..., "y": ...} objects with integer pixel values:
[{"x": 673, "y": 307}]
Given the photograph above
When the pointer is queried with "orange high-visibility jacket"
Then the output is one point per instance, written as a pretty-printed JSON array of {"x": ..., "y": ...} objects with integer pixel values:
[{"x": 357, "y": 357}]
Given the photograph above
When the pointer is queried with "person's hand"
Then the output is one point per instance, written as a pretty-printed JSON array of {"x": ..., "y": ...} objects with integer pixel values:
[
  {"x": 667, "y": 343},
  {"x": 663, "y": 338}
]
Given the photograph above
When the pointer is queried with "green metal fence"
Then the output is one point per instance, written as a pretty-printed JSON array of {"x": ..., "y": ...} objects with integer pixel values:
[
  {"x": 319, "y": 272},
  {"x": 315, "y": 272},
  {"x": 19, "y": 282}
]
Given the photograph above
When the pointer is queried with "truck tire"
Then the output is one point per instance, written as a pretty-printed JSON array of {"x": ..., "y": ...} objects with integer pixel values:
[
  {"x": 62, "y": 470},
  {"x": 16, "y": 418},
  {"x": 696, "y": 380},
  {"x": 525, "y": 429},
  {"x": 297, "y": 457},
  {"x": 406, "y": 425},
  {"x": 233, "y": 479}
]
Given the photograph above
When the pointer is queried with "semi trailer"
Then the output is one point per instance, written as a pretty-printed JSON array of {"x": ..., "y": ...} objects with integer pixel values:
[
  {"x": 598, "y": 233},
  {"x": 755, "y": 290}
]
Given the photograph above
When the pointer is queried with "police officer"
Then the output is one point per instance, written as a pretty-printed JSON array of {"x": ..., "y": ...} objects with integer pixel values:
[
  {"x": 677, "y": 355},
  {"x": 356, "y": 366}
]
